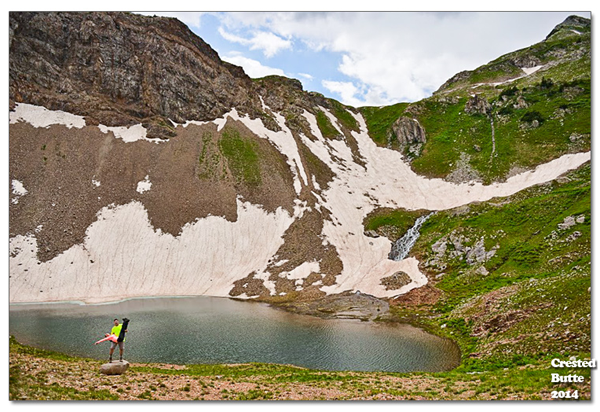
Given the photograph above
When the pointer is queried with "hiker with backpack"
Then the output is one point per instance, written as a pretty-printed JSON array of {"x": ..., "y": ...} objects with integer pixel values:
[{"x": 116, "y": 338}]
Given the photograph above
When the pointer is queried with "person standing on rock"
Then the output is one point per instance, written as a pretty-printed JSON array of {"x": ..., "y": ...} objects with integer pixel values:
[{"x": 118, "y": 330}]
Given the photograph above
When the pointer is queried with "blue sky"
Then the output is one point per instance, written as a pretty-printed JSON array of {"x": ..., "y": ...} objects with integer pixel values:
[
  {"x": 288, "y": 57},
  {"x": 369, "y": 58}
]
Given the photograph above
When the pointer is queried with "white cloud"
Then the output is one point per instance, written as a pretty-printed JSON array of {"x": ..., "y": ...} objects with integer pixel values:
[
  {"x": 357, "y": 96},
  {"x": 346, "y": 90},
  {"x": 306, "y": 76},
  {"x": 253, "y": 68},
  {"x": 269, "y": 43},
  {"x": 403, "y": 56}
]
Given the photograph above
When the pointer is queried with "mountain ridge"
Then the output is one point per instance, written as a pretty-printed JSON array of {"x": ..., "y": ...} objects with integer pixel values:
[{"x": 306, "y": 166}]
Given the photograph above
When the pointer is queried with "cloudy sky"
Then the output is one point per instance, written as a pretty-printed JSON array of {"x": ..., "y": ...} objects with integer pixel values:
[{"x": 368, "y": 58}]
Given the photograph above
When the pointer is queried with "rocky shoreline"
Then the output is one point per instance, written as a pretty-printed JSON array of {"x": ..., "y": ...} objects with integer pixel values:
[
  {"x": 345, "y": 305},
  {"x": 42, "y": 375}
]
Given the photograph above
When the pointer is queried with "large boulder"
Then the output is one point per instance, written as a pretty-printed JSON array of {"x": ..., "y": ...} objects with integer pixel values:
[
  {"x": 114, "y": 368},
  {"x": 409, "y": 133}
]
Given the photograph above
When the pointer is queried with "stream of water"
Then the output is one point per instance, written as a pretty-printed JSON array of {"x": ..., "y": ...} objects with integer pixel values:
[{"x": 402, "y": 246}]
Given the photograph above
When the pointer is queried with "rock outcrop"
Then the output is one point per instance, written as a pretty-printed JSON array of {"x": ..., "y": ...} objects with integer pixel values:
[
  {"x": 122, "y": 69},
  {"x": 527, "y": 60},
  {"x": 396, "y": 281},
  {"x": 478, "y": 105},
  {"x": 409, "y": 133},
  {"x": 346, "y": 305},
  {"x": 571, "y": 23}
]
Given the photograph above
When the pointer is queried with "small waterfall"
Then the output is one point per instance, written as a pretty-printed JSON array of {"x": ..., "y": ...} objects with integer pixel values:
[
  {"x": 403, "y": 245},
  {"x": 493, "y": 138}
]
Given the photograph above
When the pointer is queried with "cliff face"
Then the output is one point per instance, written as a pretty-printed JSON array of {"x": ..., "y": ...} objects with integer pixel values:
[
  {"x": 120, "y": 69},
  {"x": 254, "y": 188}
]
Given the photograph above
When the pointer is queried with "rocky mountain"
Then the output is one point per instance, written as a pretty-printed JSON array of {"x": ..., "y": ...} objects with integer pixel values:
[
  {"x": 141, "y": 164},
  {"x": 120, "y": 69}
]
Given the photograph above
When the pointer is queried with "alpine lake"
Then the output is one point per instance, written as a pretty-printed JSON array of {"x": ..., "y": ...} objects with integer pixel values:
[{"x": 199, "y": 330}]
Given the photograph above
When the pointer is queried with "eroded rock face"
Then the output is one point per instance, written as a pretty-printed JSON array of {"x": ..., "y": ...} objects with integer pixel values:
[
  {"x": 121, "y": 69},
  {"x": 527, "y": 60},
  {"x": 478, "y": 105},
  {"x": 408, "y": 132}
]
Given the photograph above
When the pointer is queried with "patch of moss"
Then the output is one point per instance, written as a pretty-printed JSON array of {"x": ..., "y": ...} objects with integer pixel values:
[
  {"x": 325, "y": 126},
  {"x": 343, "y": 115},
  {"x": 380, "y": 119},
  {"x": 242, "y": 156}
]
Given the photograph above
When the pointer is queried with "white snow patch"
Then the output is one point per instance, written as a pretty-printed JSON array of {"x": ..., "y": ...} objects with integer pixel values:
[
  {"x": 302, "y": 271},
  {"x": 130, "y": 258},
  {"x": 312, "y": 122},
  {"x": 18, "y": 188},
  {"x": 315, "y": 183},
  {"x": 281, "y": 262},
  {"x": 300, "y": 206},
  {"x": 129, "y": 134},
  {"x": 263, "y": 105},
  {"x": 530, "y": 70},
  {"x": 39, "y": 116},
  {"x": 194, "y": 122},
  {"x": 144, "y": 185},
  {"x": 387, "y": 181},
  {"x": 526, "y": 70},
  {"x": 326, "y": 149},
  {"x": 221, "y": 122},
  {"x": 96, "y": 182}
]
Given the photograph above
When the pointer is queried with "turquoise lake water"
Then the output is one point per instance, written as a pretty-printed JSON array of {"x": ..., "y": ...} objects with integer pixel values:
[{"x": 188, "y": 330}]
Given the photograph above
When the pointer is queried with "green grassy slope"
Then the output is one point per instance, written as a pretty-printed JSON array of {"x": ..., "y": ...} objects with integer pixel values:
[
  {"x": 557, "y": 97},
  {"x": 531, "y": 302}
]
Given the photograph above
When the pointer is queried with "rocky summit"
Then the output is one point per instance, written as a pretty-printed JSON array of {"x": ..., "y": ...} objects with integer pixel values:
[{"x": 141, "y": 164}]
